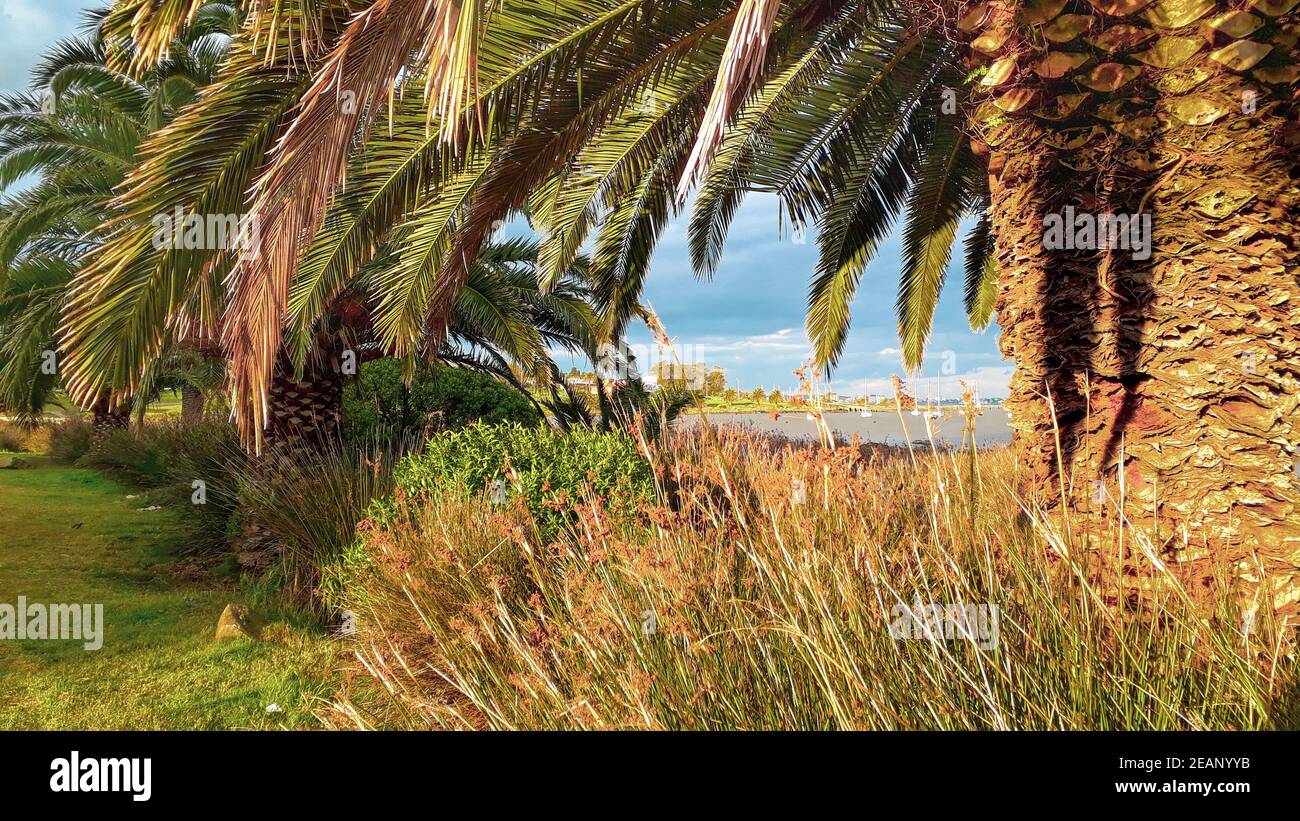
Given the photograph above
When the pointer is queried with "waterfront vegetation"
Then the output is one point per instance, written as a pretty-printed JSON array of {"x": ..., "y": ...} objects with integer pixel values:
[
  {"x": 350, "y": 425},
  {"x": 698, "y": 580}
]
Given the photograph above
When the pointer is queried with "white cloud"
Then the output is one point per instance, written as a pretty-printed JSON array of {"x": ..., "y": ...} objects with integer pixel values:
[
  {"x": 991, "y": 381},
  {"x": 784, "y": 340}
]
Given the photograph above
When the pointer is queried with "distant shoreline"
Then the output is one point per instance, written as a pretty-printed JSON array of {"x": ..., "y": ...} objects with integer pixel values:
[{"x": 992, "y": 427}]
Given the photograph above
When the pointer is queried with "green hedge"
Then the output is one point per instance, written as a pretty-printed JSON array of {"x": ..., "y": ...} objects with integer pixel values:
[
  {"x": 378, "y": 403},
  {"x": 544, "y": 464}
]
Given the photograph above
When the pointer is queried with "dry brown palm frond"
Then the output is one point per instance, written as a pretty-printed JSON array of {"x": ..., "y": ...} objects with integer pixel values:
[
  {"x": 307, "y": 166},
  {"x": 741, "y": 63}
]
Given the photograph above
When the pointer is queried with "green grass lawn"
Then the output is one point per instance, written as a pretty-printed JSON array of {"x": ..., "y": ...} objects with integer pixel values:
[
  {"x": 168, "y": 403},
  {"x": 69, "y": 535}
]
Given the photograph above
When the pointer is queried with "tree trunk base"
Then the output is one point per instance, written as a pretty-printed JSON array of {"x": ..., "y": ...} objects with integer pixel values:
[
  {"x": 1157, "y": 378},
  {"x": 193, "y": 403},
  {"x": 104, "y": 422}
]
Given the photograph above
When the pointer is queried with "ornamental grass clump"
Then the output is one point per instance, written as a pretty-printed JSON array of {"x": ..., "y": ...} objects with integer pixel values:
[{"x": 768, "y": 584}]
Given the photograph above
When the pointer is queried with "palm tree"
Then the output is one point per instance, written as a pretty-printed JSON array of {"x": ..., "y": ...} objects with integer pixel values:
[
  {"x": 595, "y": 117},
  {"x": 77, "y": 133},
  {"x": 1156, "y": 365},
  {"x": 391, "y": 186},
  {"x": 502, "y": 323},
  {"x": 581, "y": 146},
  {"x": 91, "y": 107},
  {"x": 196, "y": 373},
  {"x": 1168, "y": 368}
]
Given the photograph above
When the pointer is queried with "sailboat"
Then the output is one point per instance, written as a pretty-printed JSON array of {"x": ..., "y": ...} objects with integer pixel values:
[{"x": 934, "y": 399}]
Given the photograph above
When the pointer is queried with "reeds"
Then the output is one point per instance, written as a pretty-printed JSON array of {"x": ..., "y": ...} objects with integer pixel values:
[
  {"x": 743, "y": 599},
  {"x": 306, "y": 501}
]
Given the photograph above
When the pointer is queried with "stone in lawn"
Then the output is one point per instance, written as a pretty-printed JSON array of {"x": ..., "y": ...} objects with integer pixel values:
[
  {"x": 234, "y": 624},
  {"x": 12, "y": 463}
]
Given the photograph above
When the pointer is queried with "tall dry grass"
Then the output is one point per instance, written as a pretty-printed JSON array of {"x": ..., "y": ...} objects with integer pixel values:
[
  {"x": 733, "y": 601},
  {"x": 18, "y": 438},
  {"x": 305, "y": 503}
]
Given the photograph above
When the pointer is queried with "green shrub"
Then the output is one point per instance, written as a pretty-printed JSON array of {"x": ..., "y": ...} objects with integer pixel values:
[
  {"x": 70, "y": 440},
  {"x": 137, "y": 457},
  {"x": 378, "y": 402},
  {"x": 538, "y": 463},
  {"x": 345, "y": 581}
]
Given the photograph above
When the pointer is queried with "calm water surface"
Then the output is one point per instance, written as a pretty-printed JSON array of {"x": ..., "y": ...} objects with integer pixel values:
[{"x": 991, "y": 427}]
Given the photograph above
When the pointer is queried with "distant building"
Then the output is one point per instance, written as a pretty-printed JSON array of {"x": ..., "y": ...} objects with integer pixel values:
[{"x": 584, "y": 381}]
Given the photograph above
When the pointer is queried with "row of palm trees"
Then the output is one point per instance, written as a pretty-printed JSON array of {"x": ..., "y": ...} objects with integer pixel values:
[
  {"x": 382, "y": 144},
  {"x": 78, "y": 134}
]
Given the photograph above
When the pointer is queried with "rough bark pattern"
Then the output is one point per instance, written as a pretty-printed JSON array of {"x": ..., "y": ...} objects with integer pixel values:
[
  {"x": 1184, "y": 367},
  {"x": 304, "y": 412},
  {"x": 106, "y": 419},
  {"x": 305, "y": 407},
  {"x": 192, "y": 404}
]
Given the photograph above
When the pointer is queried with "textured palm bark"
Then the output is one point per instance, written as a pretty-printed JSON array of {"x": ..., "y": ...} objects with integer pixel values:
[
  {"x": 105, "y": 419},
  {"x": 192, "y": 404},
  {"x": 304, "y": 411},
  {"x": 305, "y": 407},
  {"x": 1183, "y": 368}
]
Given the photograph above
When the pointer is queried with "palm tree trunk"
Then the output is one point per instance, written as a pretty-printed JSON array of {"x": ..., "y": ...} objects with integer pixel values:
[
  {"x": 105, "y": 419},
  {"x": 1181, "y": 369},
  {"x": 304, "y": 410},
  {"x": 192, "y": 404},
  {"x": 305, "y": 407}
]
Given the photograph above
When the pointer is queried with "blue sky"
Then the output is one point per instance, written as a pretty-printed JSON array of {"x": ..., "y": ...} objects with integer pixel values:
[
  {"x": 27, "y": 28},
  {"x": 748, "y": 319}
]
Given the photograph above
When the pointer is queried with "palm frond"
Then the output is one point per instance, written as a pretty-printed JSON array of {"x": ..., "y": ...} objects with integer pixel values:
[
  {"x": 737, "y": 72},
  {"x": 935, "y": 208},
  {"x": 981, "y": 286}
]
